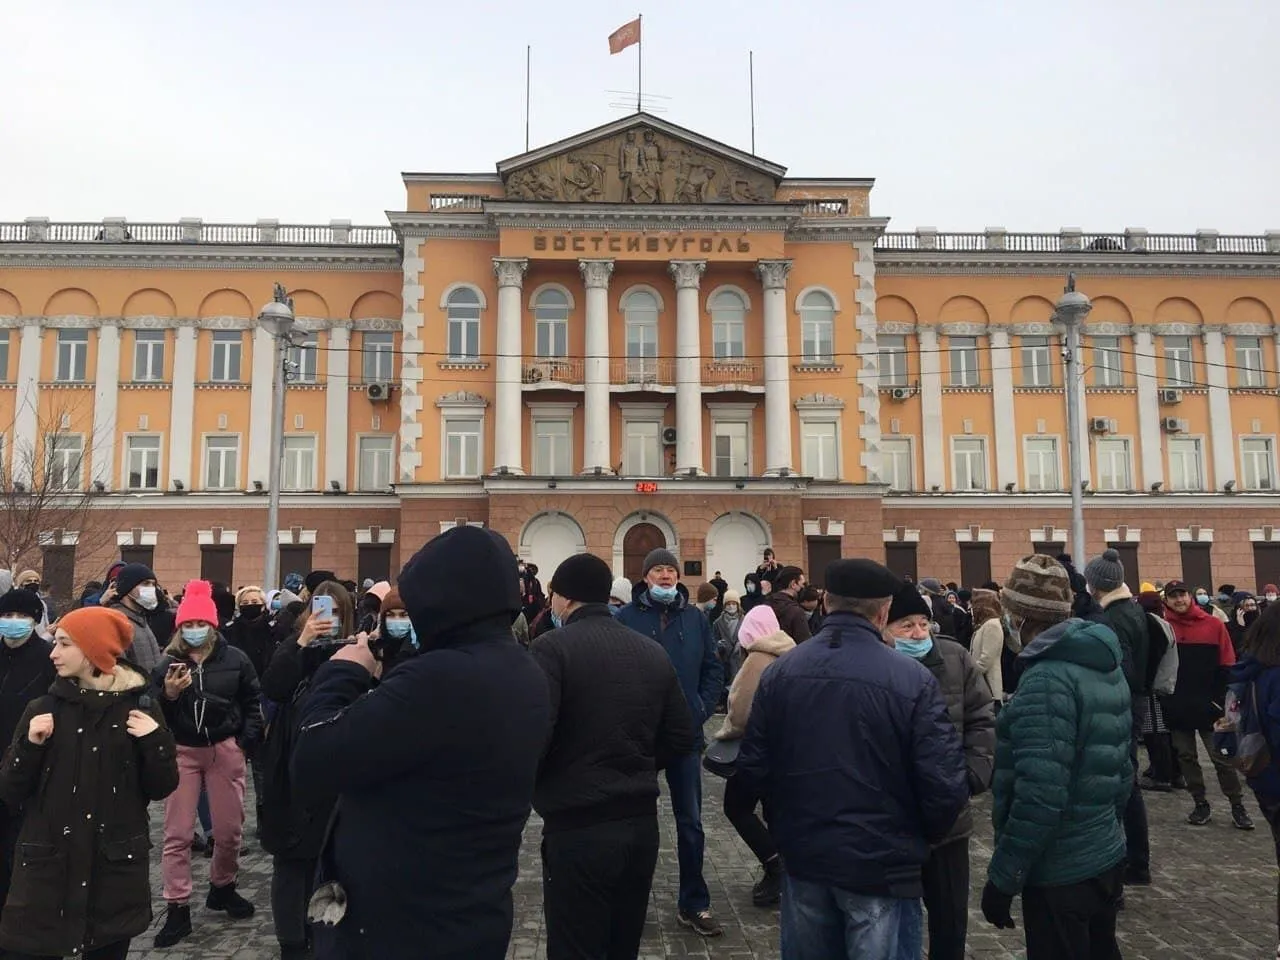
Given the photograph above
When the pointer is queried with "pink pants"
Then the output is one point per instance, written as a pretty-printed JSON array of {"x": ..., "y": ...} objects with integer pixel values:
[{"x": 221, "y": 770}]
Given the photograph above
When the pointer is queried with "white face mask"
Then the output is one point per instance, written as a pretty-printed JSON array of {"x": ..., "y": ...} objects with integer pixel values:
[
  {"x": 146, "y": 597},
  {"x": 1271, "y": 598}
]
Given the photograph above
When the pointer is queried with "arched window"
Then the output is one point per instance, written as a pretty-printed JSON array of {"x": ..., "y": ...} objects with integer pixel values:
[
  {"x": 463, "y": 308},
  {"x": 641, "y": 312},
  {"x": 817, "y": 327},
  {"x": 551, "y": 323},
  {"x": 728, "y": 325}
]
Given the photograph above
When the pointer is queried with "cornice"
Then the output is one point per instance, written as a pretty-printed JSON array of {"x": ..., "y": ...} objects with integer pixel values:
[
  {"x": 752, "y": 217},
  {"x": 450, "y": 226},
  {"x": 1092, "y": 501},
  {"x": 125, "y": 256},
  {"x": 838, "y": 230},
  {"x": 939, "y": 262},
  {"x": 246, "y": 501}
]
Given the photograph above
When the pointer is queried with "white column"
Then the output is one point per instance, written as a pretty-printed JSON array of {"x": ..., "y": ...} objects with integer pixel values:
[
  {"x": 777, "y": 374},
  {"x": 182, "y": 403},
  {"x": 687, "y": 274},
  {"x": 1144, "y": 365},
  {"x": 1006, "y": 433},
  {"x": 933, "y": 453},
  {"x": 337, "y": 380},
  {"x": 261, "y": 374},
  {"x": 26, "y": 419},
  {"x": 106, "y": 389},
  {"x": 507, "y": 414},
  {"x": 1221, "y": 435},
  {"x": 595, "y": 429}
]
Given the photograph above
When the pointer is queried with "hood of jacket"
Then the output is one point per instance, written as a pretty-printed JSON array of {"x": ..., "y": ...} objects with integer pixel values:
[
  {"x": 775, "y": 644},
  {"x": 1083, "y": 642},
  {"x": 1247, "y": 670},
  {"x": 1121, "y": 592},
  {"x": 125, "y": 679},
  {"x": 640, "y": 595},
  {"x": 1194, "y": 616},
  {"x": 986, "y": 606}
]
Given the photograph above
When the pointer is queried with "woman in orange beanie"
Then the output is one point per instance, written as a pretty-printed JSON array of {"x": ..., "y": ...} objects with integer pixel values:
[
  {"x": 86, "y": 760},
  {"x": 210, "y": 695}
]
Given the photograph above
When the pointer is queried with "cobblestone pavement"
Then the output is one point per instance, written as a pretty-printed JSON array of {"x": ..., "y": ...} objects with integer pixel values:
[{"x": 1213, "y": 897}]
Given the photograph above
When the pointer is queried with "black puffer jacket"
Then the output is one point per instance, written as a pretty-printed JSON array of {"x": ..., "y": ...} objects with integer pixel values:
[
  {"x": 223, "y": 700},
  {"x": 619, "y": 715},
  {"x": 25, "y": 673},
  {"x": 255, "y": 638}
]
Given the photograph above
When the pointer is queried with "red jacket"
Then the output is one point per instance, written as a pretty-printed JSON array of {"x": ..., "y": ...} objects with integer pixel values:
[
  {"x": 1204, "y": 654},
  {"x": 1197, "y": 627}
]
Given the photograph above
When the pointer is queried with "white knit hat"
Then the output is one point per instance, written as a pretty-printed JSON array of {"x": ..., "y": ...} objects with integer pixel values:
[{"x": 621, "y": 590}]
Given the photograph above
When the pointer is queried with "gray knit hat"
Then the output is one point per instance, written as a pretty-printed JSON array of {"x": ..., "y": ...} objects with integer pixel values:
[
  {"x": 1105, "y": 573},
  {"x": 1038, "y": 590},
  {"x": 659, "y": 557}
]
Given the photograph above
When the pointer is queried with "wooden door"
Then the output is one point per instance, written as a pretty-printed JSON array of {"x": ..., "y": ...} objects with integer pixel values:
[
  {"x": 217, "y": 564},
  {"x": 822, "y": 551},
  {"x": 1051, "y": 548},
  {"x": 1266, "y": 564},
  {"x": 293, "y": 559},
  {"x": 901, "y": 559},
  {"x": 374, "y": 562},
  {"x": 636, "y": 544},
  {"x": 143, "y": 555},
  {"x": 1197, "y": 571},
  {"x": 975, "y": 564},
  {"x": 1129, "y": 557},
  {"x": 58, "y": 574}
]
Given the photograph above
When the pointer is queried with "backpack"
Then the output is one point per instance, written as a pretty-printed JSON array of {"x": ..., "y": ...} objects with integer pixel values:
[
  {"x": 1238, "y": 735},
  {"x": 1163, "y": 673}
]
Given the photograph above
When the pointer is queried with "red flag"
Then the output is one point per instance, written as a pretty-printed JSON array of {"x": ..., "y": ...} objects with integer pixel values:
[{"x": 624, "y": 36}]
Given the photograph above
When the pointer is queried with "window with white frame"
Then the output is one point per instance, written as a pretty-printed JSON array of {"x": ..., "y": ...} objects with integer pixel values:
[
  {"x": 73, "y": 355},
  {"x": 377, "y": 356},
  {"x": 461, "y": 447},
  {"x": 148, "y": 356},
  {"x": 551, "y": 323},
  {"x": 1108, "y": 362},
  {"x": 373, "y": 462},
  {"x": 65, "y": 462},
  {"x": 221, "y": 461},
  {"x": 970, "y": 463},
  {"x": 892, "y": 350},
  {"x": 4, "y": 355},
  {"x": 817, "y": 327},
  {"x": 640, "y": 310},
  {"x": 731, "y": 448},
  {"x": 896, "y": 463},
  {"x": 552, "y": 451},
  {"x": 142, "y": 461},
  {"x": 227, "y": 347},
  {"x": 1114, "y": 468},
  {"x": 729, "y": 325},
  {"x": 1037, "y": 363},
  {"x": 642, "y": 448},
  {"x": 963, "y": 354},
  {"x": 298, "y": 471},
  {"x": 1177, "y": 361},
  {"x": 304, "y": 356},
  {"x": 1249, "y": 369},
  {"x": 463, "y": 311},
  {"x": 820, "y": 449},
  {"x": 1258, "y": 460},
  {"x": 1186, "y": 467},
  {"x": 1041, "y": 455}
]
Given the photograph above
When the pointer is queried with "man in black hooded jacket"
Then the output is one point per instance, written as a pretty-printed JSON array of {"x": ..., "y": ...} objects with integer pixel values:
[{"x": 435, "y": 768}]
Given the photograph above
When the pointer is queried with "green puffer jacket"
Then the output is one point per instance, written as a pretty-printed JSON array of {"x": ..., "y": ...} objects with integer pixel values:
[{"x": 1063, "y": 772}]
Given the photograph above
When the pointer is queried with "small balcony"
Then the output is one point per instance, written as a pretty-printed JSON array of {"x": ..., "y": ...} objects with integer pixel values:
[
  {"x": 550, "y": 372},
  {"x": 724, "y": 375},
  {"x": 643, "y": 373}
]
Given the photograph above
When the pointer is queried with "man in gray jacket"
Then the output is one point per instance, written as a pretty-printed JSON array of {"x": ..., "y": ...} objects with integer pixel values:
[{"x": 134, "y": 594}]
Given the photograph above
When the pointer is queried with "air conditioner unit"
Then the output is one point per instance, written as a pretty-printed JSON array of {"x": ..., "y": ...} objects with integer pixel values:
[
  {"x": 1174, "y": 425},
  {"x": 1170, "y": 396},
  {"x": 668, "y": 436},
  {"x": 1102, "y": 425},
  {"x": 533, "y": 374},
  {"x": 900, "y": 393},
  {"x": 378, "y": 392}
]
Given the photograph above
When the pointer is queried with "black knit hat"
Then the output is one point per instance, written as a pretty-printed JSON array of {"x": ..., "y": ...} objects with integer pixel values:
[
  {"x": 659, "y": 557},
  {"x": 317, "y": 577},
  {"x": 130, "y": 575},
  {"x": 584, "y": 577},
  {"x": 24, "y": 602},
  {"x": 907, "y": 602}
]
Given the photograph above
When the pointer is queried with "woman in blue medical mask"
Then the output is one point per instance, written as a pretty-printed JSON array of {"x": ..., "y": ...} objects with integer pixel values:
[{"x": 969, "y": 703}]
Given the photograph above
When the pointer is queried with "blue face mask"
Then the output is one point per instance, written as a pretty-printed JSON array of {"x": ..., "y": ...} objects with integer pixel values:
[
  {"x": 275, "y": 603},
  {"x": 916, "y": 649},
  {"x": 399, "y": 627},
  {"x": 195, "y": 636},
  {"x": 556, "y": 621},
  {"x": 662, "y": 594},
  {"x": 16, "y": 628}
]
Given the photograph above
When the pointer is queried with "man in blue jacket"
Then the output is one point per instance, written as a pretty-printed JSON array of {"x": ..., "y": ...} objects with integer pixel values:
[
  {"x": 660, "y": 609},
  {"x": 850, "y": 746}
]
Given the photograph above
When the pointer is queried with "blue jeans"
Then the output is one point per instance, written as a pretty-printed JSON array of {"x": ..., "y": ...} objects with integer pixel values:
[
  {"x": 820, "y": 922},
  {"x": 684, "y": 780}
]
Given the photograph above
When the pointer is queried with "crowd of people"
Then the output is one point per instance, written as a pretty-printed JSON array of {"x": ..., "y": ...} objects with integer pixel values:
[{"x": 397, "y": 738}]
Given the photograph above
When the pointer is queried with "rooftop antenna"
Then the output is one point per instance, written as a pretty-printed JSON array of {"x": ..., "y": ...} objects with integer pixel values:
[
  {"x": 644, "y": 102},
  {"x": 751, "y": 85},
  {"x": 528, "y": 74}
]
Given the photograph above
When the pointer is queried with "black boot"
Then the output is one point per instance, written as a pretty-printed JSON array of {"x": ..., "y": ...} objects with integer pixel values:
[
  {"x": 768, "y": 892},
  {"x": 177, "y": 926},
  {"x": 295, "y": 951},
  {"x": 226, "y": 898}
]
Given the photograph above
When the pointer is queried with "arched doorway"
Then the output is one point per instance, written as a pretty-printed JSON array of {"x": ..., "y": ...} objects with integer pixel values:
[
  {"x": 636, "y": 544},
  {"x": 549, "y": 538},
  {"x": 735, "y": 544}
]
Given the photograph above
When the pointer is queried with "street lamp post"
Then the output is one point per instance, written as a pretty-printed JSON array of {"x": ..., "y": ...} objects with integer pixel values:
[
  {"x": 277, "y": 319},
  {"x": 1070, "y": 311}
]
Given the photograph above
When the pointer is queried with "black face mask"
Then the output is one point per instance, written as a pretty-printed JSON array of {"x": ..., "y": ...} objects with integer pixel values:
[
  {"x": 33, "y": 587},
  {"x": 251, "y": 611},
  {"x": 1249, "y": 617}
]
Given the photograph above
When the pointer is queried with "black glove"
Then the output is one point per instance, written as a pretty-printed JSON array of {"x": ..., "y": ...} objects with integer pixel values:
[{"x": 995, "y": 907}]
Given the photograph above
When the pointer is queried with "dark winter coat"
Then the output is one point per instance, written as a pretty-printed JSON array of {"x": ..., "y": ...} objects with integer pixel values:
[
  {"x": 222, "y": 702},
  {"x": 81, "y": 869},
  {"x": 618, "y": 715},
  {"x": 145, "y": 650},
  {"x": 1063, "y": 773},
  {"x": 1205, "y": 654},
  {"x": 686, "y": 636},
  {"x": 1265, "y": 678},
  {"x": 1129, "y": 622},
  {"x": 26, "y": 672},
  {"x": 850, "y": 745},
  {"x": 254, "y": 638},
  {"x": 793, "y": 619}
]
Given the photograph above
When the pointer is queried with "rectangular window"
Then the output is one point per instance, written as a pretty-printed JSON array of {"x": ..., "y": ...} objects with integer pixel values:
[
  {"x": 730, "y": 451},
  {"x": 142, "y": 461},
  {"x": 464, "y": 334},
  {"x": 642, "y": 351},
  {"x": 148, "y": 356},
  {"x": 1042, "y": 463},
  {"x": 73, "y": 354},
  {"x": 1108, "y": 363},
  {"x": 1259, "y": 463},
  {"x": 642, "y": 448},
  {"x": 378, "y": 356},
  {"x": 222, "y": 461},
  {"x": 815, "y": 338},
  {"x": 1249, "y": 369},
  {"x": 728, "y": 335},
  {"x": 303, "y": 359},
  {"x": 373, "y": 463},
  {"x": 1037, "y": 368},
  {"x": 819, "y": 449},
  {"x": 892, "y": 349},
  {"x": 462, "y": 448},
  {"x": 298, "y": 471},
  {"x": 895, "y": 457},
  {"x": 227, "y": 347},
  {"x": 970, "y": 463},
  {"x": 552, "y": 336},
  {"x": 1177, "y": 361},
  {"x": 1185, "y": 469},
  {"x": 4, "y": 356},
  {"x": 66, "y": 459},
  {"x": 551, "y": 453},
  {"x": 1113, "y": 464},
  {"x": 963, "y": 353}
]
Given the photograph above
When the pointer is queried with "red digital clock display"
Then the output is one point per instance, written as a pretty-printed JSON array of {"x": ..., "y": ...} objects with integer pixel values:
[{"x": 646, "y": 486}]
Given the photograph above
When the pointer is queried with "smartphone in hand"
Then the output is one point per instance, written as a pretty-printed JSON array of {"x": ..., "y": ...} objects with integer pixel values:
[{"x": 322, "y": 607}]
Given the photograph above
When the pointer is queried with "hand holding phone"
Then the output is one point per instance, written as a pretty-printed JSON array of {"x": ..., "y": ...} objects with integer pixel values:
[{"x": 176, "y": 679}]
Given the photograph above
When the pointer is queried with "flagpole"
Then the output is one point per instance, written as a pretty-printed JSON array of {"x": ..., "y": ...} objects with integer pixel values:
[
  {"x": 640, "y": 63},
  {"x": 528, "y": 74},
  {"x": 751, "y": 73}
]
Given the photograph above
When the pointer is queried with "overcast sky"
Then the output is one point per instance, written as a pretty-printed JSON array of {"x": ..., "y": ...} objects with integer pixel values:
[{"x": 1029, "y": 115}]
